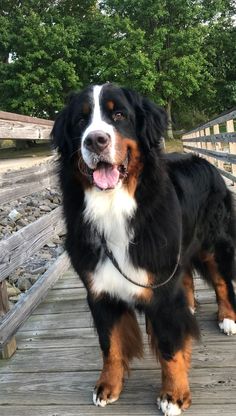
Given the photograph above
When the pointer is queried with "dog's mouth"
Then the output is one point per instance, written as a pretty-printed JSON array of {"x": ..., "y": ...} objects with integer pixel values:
[
  {"x": 105, "y": 175},
  {"x": 108, "y": 176}
]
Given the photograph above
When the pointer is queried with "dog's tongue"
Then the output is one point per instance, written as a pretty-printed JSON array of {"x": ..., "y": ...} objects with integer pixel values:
[{"x": 106, "y": 176}]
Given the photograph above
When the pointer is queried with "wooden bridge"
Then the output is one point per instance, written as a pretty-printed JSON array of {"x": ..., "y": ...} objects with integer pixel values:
[{"x": 57, "y": 360}]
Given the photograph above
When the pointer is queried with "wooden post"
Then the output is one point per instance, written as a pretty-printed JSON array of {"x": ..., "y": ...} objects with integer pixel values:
[
  {"x": 203, "y": 144},
  {"x": 209, "y": 146},
  {"x": 10, "y": 347},
  {"x": 232, "y": 146},
  {"x": 216, "y": 130}
]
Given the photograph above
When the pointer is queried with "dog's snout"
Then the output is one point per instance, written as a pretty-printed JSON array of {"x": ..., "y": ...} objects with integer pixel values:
[{"x": 97, "y": 141}]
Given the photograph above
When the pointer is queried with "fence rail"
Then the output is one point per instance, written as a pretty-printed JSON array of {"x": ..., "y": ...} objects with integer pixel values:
[
  {"x": 15, "y": 249},
  {"x": 18, "y": 127},
  {"x": 216, "y": 141}
]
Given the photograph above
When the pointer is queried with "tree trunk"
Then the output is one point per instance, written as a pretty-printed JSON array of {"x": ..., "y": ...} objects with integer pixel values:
[{"x": 169, "y": 132}]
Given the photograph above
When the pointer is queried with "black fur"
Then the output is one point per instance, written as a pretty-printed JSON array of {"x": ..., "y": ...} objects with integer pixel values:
[{"x": 181, "y": 199}]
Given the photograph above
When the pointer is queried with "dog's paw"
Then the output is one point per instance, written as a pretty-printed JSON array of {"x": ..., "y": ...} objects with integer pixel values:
[
  {"x": 168, "y": 408},
  {"x": 228, "y": 326},
  {"x": 103, "y": 395},
  {"x": 173, "y": 405}
]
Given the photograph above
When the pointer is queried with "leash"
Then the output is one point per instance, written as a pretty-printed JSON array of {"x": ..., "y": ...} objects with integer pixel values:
[{"x": 110, "y": 255}]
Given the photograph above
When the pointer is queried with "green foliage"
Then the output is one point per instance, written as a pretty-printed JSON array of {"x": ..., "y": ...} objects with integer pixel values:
[{"x": 181, "y": 53}]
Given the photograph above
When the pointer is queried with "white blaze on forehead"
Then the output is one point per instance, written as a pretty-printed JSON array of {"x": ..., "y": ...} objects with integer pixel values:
[{"x": 97, "y": 122}]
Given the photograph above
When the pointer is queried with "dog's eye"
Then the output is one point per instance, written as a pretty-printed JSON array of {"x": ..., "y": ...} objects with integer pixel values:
[
  {"x": 82, "y": 122},
  {"x": 118, "y": 115}
]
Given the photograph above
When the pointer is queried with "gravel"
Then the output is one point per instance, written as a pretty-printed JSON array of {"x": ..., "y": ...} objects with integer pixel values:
[{"x": 16, "y": 215}]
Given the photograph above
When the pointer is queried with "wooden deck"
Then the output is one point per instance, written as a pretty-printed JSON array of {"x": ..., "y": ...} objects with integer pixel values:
[{"x": 58, "y": 361}]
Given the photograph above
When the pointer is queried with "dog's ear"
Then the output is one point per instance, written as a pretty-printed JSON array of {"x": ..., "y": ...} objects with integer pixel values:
[
  {"x": 60, "y": 132},
  {"x": 151, "y": 120},
  {"x": 152, "y": 123}
]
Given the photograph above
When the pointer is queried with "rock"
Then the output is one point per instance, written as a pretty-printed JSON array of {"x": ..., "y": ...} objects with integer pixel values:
[
  {"x": 34, "y": 279},
  {"x": 38, "y": 270},
  {"x": 12, "y": 291},
  {"x": 3, "y": 222},
  {"x": 51, "y": 245},
  {"x": 53, "y": 206},
  {"x": 15, "y": 298},
  {"x": 45, "y": 208},
  {"x": 56, "y": 240},
  {"x": 14, "y": 215},
  {"x": 24, "y": 283},
  {"x": 46, "y": 256},
  {"x": 22, "y": 222}
]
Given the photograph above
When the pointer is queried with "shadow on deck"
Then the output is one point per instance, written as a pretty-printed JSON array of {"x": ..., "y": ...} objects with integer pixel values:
[{"x": 58, "y": 360}]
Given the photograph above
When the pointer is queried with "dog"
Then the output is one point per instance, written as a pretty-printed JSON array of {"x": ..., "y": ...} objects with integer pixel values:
[{"x": 139, "y": 221}]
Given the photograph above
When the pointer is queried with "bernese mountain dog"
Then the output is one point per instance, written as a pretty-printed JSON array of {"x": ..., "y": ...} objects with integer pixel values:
[{"x": 139, "y": 221}]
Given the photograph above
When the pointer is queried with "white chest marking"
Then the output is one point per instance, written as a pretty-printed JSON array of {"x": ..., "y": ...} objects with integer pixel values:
[{"x": 109, "y": 211}]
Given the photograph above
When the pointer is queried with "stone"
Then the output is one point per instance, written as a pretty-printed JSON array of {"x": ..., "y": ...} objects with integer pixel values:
[
  {"x": 22, "y": 222},
  {"x": 24, "y": 283},
  {"x": 45, "y": 208},
  {"x": 14, "y": 215},
  {"x": 51, "y": 245},
  {"x": 15, "y": 299},
  {"x": 38, "y": 270},
  {"x": 12, "y": 291},
  {"x": 3, "y": 222}
]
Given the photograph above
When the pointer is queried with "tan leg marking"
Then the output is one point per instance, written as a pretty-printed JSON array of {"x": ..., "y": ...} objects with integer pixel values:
[
  {"x": 225, "y": 309},
  {"x": 125, "y": 344},
  {"x": 175, "y": 386},
  {"x": 189, "y": 289}
]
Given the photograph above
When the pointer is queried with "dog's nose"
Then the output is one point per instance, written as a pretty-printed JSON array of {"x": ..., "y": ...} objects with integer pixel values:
[{"x": 97, "y": 141}]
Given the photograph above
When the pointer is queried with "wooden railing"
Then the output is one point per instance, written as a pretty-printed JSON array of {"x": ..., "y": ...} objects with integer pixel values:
[
  {"x": 15, "y": 249},
  {"x": 216, "y": 141}
]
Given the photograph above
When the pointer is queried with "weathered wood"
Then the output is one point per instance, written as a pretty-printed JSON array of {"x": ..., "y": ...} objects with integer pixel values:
[
  {"x": 232, "y": 146},
  {"x": 15, "y": 130},
  {"x": 227, "y": 157},
  {"x": 25, "y": 242},
  {"x": 4, "y": 115},
  {"x": 10, "y": 347},
  {"x": 75, "y": 388},
  {"x": 213, "y": 138},
  {"x": 116, "y": 410},
  {"x": 83, "y": 358},
  {"x": 24, "y": 307},
  {"x": 18, "y": 183}
]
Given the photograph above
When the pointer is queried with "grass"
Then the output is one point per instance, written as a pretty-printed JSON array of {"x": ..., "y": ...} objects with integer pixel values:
[
  {"x": 174, "y": 146},
  {"x": 39, "y": 150},
  {"x": 43, "y": 149}
]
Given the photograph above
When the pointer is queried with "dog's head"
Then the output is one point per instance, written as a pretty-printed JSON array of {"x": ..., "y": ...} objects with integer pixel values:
[{"x": 107, "y": 130}]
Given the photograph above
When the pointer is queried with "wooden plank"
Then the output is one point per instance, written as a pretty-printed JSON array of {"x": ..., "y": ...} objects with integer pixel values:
[
  {"x": 24, "y": 307},
  {"x": 15, "y": 130},
  {"x": 213, "y": 138},
  {"x": 232, "y": 146},
  {"x": 83, "y": 358},
  {"x": 10, "y": 347},
  {"x": 75, "y": 388},
  {"x": 4, "y": 115},
  {"x": 117, "y": 409},
  {"x": 18, "y": 183},
  {"x": 227, "y": 157},
  {"x": 25, "y": 242}
]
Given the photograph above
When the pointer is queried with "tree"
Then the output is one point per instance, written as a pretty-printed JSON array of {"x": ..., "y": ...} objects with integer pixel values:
[{"x": 38, "y": 50}]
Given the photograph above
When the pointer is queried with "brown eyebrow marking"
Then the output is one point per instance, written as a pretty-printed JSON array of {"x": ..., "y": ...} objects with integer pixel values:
[
  {"x": 110, "y": 105},
  {"x": 86, "y": 108}
]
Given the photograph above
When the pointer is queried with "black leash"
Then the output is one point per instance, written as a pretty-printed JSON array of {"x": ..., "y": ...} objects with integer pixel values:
[{"x": 110, "y": 255}]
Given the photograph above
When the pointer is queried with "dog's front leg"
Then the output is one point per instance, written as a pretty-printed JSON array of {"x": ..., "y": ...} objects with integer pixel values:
[
  {"x": 171, "y": 329},
  {"x": 120, "y": 340}
]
